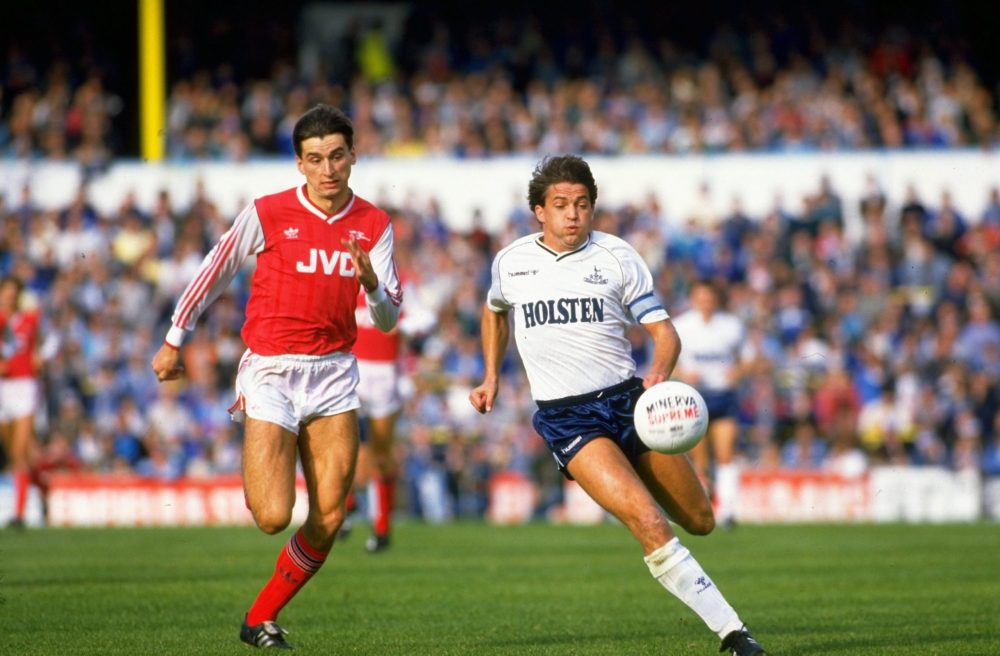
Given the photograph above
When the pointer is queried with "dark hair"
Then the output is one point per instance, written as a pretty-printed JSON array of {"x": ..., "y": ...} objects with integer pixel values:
[
  {"x": 711, "y": 285},
  {"x": 320, "y": 121},
  {"x": 13, "y": 280},
  {"x": 555, "y": 169}
]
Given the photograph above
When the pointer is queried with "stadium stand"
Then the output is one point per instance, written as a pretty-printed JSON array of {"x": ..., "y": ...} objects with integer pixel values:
[{"x": 879, "y": 349}]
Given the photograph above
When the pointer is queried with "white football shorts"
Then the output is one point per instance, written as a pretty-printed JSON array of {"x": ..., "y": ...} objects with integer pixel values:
[
  {"x": 18, "y": 398},
  {"x": 378, "y": 388},
  {"x": 292, "y": 390}
]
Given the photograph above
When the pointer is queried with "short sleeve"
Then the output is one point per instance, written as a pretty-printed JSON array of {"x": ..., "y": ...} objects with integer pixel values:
[
  {"x": 495, "y": 299},
  {"x": 638, "y": 295}
]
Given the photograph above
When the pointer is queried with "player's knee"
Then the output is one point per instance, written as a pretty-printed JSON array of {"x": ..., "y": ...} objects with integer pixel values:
[
  {"x": 328, "y": 523},
  {"x": 701, "y": 523},
  {"x": 651, "y": 526},
  {"x": 272, "y": 520}
]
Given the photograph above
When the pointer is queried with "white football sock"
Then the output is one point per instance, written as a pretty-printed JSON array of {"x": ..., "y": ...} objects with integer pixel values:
[
  {"x": 727, "y": 487},
  {"x": 677, "y": 571}
]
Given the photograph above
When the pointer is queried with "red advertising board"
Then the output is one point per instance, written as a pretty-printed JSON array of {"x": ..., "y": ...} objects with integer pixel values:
[
  {"x": 91, "y": 500},
  {"x": 792, "y": 495}
]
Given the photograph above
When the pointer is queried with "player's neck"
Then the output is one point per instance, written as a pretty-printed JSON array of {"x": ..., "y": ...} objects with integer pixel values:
[{"x": 332, "y": 204}]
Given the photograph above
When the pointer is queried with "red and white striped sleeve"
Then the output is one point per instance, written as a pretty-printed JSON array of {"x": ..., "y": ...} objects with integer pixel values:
[
  {"x": 245, "y": 237},
  {"x": 383, "y": 303}
]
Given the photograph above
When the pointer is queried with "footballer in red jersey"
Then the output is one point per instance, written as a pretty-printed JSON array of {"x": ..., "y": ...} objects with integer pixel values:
[
  {"x": 19, "y": 392},
  {"x": 317, "y": 246},
  {"x": 378, "y": 367}
]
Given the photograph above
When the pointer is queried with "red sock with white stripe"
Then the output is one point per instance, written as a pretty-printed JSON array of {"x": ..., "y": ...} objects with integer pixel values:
[
  {"x": 381, "y": 492},
  {"x": 21, "y": 479},
  {"x": 297, "y": 563}
]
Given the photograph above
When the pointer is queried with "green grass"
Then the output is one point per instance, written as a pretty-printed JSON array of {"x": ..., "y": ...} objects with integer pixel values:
[{"x": 476, "y": 589}]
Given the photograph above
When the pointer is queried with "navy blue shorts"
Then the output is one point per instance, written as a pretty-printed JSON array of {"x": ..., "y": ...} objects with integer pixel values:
[
  {"x": 568, "y": 424},
  {"x": 721, "y": 404}
]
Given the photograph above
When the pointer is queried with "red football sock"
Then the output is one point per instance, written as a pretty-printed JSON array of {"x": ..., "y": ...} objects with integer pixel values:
[
  {"x": 384, "y": 492},
  {"x": 20, "y": 492},
  {"x": 297, "y": 563}
]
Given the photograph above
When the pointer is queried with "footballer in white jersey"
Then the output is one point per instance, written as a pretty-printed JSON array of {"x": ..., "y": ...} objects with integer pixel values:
[
  {"x": 710, "y": 362},
  {"x": 571, "y": 311},
  {"x": 711, "y": 349},
  {"x": 573, "y": 292}
]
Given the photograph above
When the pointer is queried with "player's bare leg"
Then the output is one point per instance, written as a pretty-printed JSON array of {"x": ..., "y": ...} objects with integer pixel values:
[
  {"x": 269, "y": 455},
  {"x": 701, "y": 460},
  {"x": 19, "y": 439},
  {"x": 721, "y": 435},
  {"x": 672, "y": 481},
  {"x": 329, "y": 450},
  {"x": 382, "y": 479},
  {"x": 605, "y": 474},
  {"x": 328, "y": 447},
  {"x": 362, "y": 474}
]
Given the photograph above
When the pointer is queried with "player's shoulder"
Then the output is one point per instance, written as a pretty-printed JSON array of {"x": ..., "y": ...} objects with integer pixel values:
[
  {"x": 607, "y": 240},
  {"x": 363, "y": 207},
  {"x": 723, "y": 325},
  {"x": 525, "y": 246},
  {"x": 362, "y": 204},
  {"x": 729, "y": 320},
  {"x": 616, "y": 249},
  {"x": 279, "y": 197},
  {"x": 272, "y": 204},
  {"x": 612, "y": 244},
  {"x": 686, "y": 318}
]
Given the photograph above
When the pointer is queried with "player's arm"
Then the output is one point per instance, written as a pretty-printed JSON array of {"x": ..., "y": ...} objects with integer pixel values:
[
  {"x": 246, "y": 236},
  {"x": 495, "y": 331},
  {"x": 645, "y": 307},
  {"x": 666, "y": 350},
  {"x": 685, "y": 370},
  {"x": 376, "y": 271}
]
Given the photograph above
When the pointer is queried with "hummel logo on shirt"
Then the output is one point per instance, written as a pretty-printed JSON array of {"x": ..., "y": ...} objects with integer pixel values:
[
  {"x": 292, "y": 233},
  {"x": 596, "y": 278}
]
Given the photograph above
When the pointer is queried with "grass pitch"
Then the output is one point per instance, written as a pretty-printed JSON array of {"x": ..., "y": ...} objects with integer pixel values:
[{"x": 468, "y": 588}]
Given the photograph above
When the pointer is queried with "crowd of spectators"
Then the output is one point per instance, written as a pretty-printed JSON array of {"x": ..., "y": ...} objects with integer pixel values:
[
  {"x": 454, "y": 90},
  {"x": 880, "y": 349}
]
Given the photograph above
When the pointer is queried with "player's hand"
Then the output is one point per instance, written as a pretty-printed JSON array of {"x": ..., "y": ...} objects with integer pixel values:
[
  {"x": 483, "y": 396},
  {"x": 362, "y": 264},
  {"x": 167, "y": 364},
  {"x": 654, "y": 378}
]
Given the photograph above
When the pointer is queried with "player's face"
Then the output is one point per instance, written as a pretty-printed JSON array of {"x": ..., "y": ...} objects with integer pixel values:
[
  {"x": 8, "y": 296},
  {"x": 326, "y": 162},
  {"x": 703, "y": 300},
  {"x": 566, "y": 216}
]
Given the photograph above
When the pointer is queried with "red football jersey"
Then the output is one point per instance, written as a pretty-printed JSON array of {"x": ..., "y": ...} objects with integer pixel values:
[
  {"x": 372, "y": 344},
  {"x": 304, "y": 291},
  {"x": 18, "y": 344}
]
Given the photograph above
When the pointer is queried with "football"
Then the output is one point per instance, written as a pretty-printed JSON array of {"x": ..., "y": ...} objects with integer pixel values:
[{"x": 671, "y": 417}]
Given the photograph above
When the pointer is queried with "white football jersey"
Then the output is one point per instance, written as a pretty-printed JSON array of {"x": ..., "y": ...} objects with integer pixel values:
[
  {"x": 710, "y": 348},
  {"x": 571, "y": 310}
]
